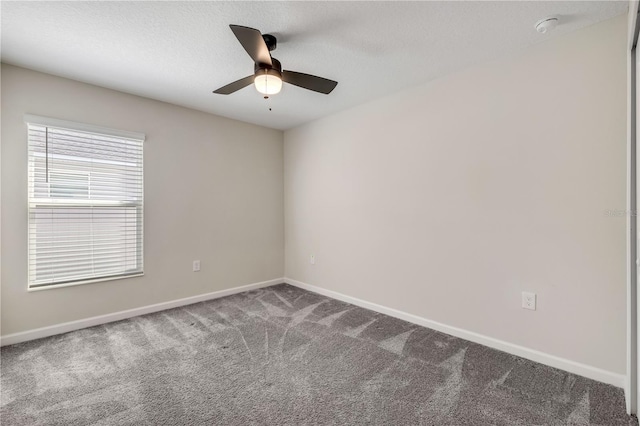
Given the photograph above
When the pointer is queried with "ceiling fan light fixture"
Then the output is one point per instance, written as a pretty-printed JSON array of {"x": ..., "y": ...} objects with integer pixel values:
[{"x": 268, "y": 81}]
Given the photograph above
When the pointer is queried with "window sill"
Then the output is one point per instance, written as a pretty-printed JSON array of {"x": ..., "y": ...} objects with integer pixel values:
[{"x": 75, "y": 283}]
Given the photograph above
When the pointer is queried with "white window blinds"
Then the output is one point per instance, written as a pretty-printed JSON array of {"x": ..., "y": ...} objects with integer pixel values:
[{"x": 85, "y": 203}]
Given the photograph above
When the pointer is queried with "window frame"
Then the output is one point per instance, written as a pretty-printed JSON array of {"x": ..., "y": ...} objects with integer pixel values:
[{"x": 30, "y": 119}]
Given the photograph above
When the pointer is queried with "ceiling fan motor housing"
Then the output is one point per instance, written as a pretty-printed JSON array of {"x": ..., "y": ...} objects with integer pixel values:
[{"x": 274, "y": 69}]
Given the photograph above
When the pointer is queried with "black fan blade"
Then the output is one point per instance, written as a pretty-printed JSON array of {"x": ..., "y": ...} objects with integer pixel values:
[
  {"x": 308, "y": 81},
  {"x": 252, "y": 41},
  {"x": 235, "y": 86}
]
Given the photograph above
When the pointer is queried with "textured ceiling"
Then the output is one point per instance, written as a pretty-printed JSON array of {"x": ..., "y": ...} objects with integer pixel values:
[{"x": 179, "y": 52}]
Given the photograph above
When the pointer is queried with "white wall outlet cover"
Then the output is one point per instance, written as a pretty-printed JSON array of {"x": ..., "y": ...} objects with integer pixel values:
[
  {"x": 528, "y": 300},
  {"x": 312, "y": 259},
  {"x": 196, "y": 265}
]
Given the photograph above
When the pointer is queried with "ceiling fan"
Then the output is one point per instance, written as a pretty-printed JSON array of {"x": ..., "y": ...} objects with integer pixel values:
[{"x": 268, "y": 74}]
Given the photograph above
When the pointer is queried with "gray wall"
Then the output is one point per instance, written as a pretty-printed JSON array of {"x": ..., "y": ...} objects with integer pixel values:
[
  {"x": 213, "y": 192},
  {"x": 447, "y": 200}
]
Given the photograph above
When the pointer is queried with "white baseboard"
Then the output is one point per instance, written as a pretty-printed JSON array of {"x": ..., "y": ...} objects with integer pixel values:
[
  {"x": 66, "y": 327},
  {"x": 615, "y": 379}
]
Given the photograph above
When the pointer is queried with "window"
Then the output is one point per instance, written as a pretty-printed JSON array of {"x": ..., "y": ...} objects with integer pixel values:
[{"x": 85, "y": 203}]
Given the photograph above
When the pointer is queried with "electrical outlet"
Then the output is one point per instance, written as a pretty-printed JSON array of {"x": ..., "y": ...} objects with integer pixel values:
[
  {"x": 528, "y": 300},
  {"x": 312, "y": 259},
  {"x": 196, "y": 265}
]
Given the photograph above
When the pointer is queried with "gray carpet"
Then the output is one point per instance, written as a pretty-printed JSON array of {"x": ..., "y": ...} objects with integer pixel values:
[{"x": 284, "y": 356}]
